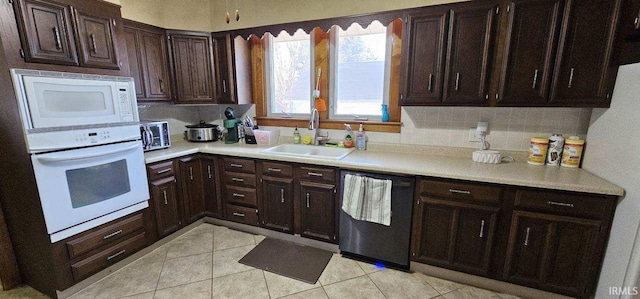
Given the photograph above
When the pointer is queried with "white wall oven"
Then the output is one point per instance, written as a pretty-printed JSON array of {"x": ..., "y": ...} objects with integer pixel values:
[{"x": 83, "y": 136}]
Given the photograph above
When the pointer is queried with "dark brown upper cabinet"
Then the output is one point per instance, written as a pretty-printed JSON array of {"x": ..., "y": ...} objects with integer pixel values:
[
  {"x": 469, "y": 53},
  {"x": 95, "y": 37},
  {"x": 530, "y": 47},
  {"x": 584, "y": 73},
  {"x": 232, "y": 69},
  {"x": 425, "y": 39},
  {"x": 627, "y": 48},
  {"x": 46, "y": 32},
  {"x": 191, "y": 63},
  {"x": 148, "y": 61}
]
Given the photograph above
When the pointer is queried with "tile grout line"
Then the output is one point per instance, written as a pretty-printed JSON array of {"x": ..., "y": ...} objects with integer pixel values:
[
  {"x": 265, "y": 283},
  {"x": 374, "y": 283},
  {"x": 178, "y": 285},
  {"x": 164, "y": 261}
]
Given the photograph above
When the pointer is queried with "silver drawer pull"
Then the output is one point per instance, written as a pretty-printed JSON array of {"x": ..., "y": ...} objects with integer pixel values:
[
  {"x": 315, "y": 174},
  {"x": 562, "y": 204},
  {"x": 164, "y": 194},
  {"x": 209, "y": 171},
  {"x": 526, "y": 238},
  {"x": 238, "y": 214},
  {"x": 236, "y": 165},
  {"x": 115, "y": 255},
  {"x": 459, "y": 191},
  {"x": 113, "y": 234},
  {"x": 282, "y": 195},
  {"x": 164, "y": 170},
  {"x": 191, "y": 173},
  {"x": 571, "y": 78},
  {"x": 274, "y": 169},
  {"x": 308, "y": 200},
  {"x": 237, "y": 180},
  {"x": 481, "y": 229},
  {"x": 238, "y": 195}
]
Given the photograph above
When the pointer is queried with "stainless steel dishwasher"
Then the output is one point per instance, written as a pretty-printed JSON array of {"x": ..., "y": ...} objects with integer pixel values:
[{"x": 377, "y": 243}]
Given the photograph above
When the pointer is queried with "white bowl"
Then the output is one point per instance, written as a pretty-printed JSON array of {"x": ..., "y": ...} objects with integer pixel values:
[{"x": 485, "y": 156}]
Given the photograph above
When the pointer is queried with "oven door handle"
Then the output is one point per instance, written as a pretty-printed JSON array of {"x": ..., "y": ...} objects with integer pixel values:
[{"x": 82, "y": 157}]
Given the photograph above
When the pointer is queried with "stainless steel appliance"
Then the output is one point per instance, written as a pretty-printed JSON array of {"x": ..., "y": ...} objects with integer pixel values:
[
  {"x": 202, "y": 132},
  {"x": 374, "y": 242},
  {"x": 83, "y": 135},
  {"x": 154, "y": 135}
]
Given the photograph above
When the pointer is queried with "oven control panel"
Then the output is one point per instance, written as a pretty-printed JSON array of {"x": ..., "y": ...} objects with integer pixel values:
[
  {"x": 94, "y": 136},
  {"x": 57, "y": 140}
]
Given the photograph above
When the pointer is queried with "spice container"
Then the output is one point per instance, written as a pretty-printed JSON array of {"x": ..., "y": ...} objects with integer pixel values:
[
  {"x": 572, "y": 152},
  {"x": 538, "y": 150},
  {"x": 554, "y": 153}
]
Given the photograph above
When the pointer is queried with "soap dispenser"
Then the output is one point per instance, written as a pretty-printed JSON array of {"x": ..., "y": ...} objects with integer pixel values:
[{"x": 361, "y": 139}]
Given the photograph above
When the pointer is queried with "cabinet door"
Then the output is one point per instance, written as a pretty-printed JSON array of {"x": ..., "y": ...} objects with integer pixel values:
[
  {"x": 212, "y": 203},
  {"x": 96, "y": 40},
  {"x": 471, "y": 33},
  {"x": 184, "y": 80},
  {"x": 222, "y": 50},
  {"x": 317, "y": 215},
  {"x": 627, "y": 44},
  {"x": 45, "y": 29},
  {"x": 201, "y": 64},
  {"x": 277, "y": 204},
  {"x": 532, "y": 33},
  {"x": 192, "y": 192},
  {"x": 164, "y": 196},
  {"x": 584, "y": 74},
  {"x": 554, "y": 253},
  {"x": 156, "y": 68},
  {"x": 423, "y": 63},
  {"x": 134, "y": 53},
  {"x": 474, "y": 239},
  {"x": 433, "y": 232}
]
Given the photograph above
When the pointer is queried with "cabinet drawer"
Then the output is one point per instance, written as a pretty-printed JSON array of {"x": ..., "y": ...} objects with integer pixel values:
[
  {"x": 557, "y": 202},
  {"x": 277, "y": 169},
  {"x": 242, "y": 214},
  {"x": 462, "y": 191},
  {"x": 107, "y": 235},
  {"x": 106, "y": 258},
  {"x": 160, "y": 170},
  {"x": 240, "y": 179},
  {"x": 241, "y": 195},
  {"x": 320, "y": 175},
  {"x": 240, "y": 165}
]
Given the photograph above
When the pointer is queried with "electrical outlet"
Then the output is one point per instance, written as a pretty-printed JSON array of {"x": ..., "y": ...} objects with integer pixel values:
[{"x": 472, "y": 135}]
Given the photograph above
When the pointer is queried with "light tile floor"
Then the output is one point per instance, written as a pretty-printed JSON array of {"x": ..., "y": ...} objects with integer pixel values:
[{"x": 203, "y": 263}]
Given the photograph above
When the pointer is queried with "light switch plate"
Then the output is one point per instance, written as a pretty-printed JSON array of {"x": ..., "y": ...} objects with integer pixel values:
[{"x": 472, "y": 135}]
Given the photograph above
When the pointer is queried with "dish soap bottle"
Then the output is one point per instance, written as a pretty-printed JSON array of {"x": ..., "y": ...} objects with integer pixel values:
[
  {"x": 348, "y": 136},
  {"x": 361, "y": 139},
  {"x": 296, "y": 136}
]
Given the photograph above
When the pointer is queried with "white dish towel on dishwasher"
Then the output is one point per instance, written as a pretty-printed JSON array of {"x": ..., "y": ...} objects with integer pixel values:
[{"x": 368, "y": 199}]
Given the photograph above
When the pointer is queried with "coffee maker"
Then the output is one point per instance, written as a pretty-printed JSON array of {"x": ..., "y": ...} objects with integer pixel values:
[{"x": 231, "y": 124}]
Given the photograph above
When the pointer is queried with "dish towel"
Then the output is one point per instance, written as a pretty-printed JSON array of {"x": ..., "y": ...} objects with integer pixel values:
[{"x": 368, "y": 199}]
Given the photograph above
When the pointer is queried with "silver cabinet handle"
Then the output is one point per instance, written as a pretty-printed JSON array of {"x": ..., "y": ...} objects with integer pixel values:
[
  {"x": 191, "y": 173},
  {"x": 238, "y": 214},
  {"x": 224, "y": 86},
  {"x": 113, "y": 234},
  {"x": 535, "y": 79},
  {"x": 314, "y": 174},
  {"x": 636, "y": 22},
  {"x": 115, "y": 255},
  {"x": 237, "y": 180},
  {"x": 204, "y": 87},
  {"x": 94, "y": 48},
  {"x": 481, "y": 229},
  {"x": 239, "y": 195},
  {"x": 236, "y": 165},
  {"x": 308, "y": 200},
  {"x": 571, "y": 78},
  {"x": 457, "y": 81},
  {"x": 562, "y": 204},
  {"x": 209, "y": 171},
  {"x": 274, "y": 169},
  {"x": 282, "y": 195},
  {"x": 526, "y": 238},
  {"x": 56, "y": 35},
  {"x": 430, "y": 82},
  {"x": 164, "y": 170},
  {"x": 161, "y": 85},
  {"x": 459, "y": 191},
  {"x": 164, "y": 194}
]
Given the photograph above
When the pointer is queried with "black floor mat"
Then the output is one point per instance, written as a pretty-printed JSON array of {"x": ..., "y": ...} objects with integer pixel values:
[{"x": 299, "y": 262}]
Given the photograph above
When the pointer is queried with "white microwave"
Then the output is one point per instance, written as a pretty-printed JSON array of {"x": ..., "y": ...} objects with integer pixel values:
[{"x": 56, "y": 100}]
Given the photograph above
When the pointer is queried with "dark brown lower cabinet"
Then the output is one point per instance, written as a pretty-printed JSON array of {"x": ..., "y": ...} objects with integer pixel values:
[
  {"x": 277, "y": 204},
  {"x": 164, "y": 195},
  {"x": 191, "y": 178},
  {"x": 213, "y": 206},
  {"x": 317, "y": 212},
  {"x": 454, "y": 235},
  {"x": 556, "y": 253}
]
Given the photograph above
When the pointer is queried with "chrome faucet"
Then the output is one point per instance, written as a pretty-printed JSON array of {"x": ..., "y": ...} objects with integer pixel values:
[{"x": 314, "y": 124}]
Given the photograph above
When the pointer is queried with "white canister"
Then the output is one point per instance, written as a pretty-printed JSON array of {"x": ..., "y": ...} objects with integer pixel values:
[{"x": 554, "y": 153}]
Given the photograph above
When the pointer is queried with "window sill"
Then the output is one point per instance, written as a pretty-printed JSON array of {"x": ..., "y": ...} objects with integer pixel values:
[{"x": 332, "y": 124}]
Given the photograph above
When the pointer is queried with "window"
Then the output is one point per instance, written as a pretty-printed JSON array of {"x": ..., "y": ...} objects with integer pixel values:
[
  {"x": 289, "y": 74},
  {"x": 360, "y": 72}
]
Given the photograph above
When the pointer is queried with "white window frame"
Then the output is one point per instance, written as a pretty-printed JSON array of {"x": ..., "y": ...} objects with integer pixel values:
[
  {"x": 333, "y": 70},
  {"x": 270, "y": 87}
]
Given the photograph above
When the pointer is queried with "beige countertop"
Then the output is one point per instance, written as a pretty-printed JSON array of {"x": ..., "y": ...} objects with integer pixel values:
[{"x": 415, "y": 161}]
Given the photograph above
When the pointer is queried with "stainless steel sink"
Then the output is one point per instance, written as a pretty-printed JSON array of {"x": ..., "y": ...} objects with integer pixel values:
[{"x": 309, "y": 151}]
